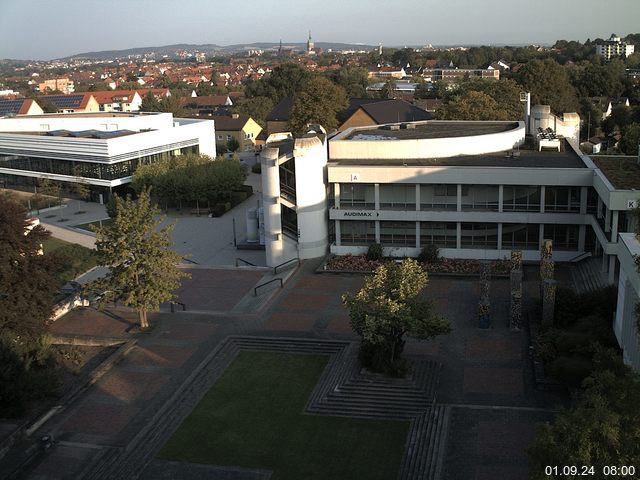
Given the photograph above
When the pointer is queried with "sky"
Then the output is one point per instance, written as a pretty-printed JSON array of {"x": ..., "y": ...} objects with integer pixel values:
[{"x": 43, "y": 30}]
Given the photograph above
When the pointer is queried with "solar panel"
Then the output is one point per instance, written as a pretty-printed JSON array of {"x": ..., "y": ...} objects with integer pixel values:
[
  {"x": 8, "y": 107},
  {"x": 65, "y": 101}
]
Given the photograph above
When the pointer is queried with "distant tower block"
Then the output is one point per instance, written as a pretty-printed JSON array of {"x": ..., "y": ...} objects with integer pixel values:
[{"x": 380, "y": 49}]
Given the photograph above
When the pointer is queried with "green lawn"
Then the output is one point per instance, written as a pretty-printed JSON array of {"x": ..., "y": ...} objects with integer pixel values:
[
  {"x": 88, "y": 226},
  {"x": 73, "y": 259},
  {"x": 253, "y": 418},
  {"x": 52, "y": 244}
]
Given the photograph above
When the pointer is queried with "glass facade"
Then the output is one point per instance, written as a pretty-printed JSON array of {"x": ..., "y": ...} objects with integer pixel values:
[
  {"x": 564, "y": 237},
  {"x": 439, "y": 197},
  {"x": 398, "y": 196},
  {"x": 520, "y": 199},
  {"x": 443, "y": 234},
  {"x": 479, "y": 235},
  {"x": 480, "y": 197},
  {"x": 357, "y": 232},
  {"x": 88, "y": 170},
  {"x": 398, "y": 234},
  {"x": 562, "y": 199},
  {"x": 288, "y": 180},
  {"x": 521, "y": 236},
  {"x": 357, "y": 195}
]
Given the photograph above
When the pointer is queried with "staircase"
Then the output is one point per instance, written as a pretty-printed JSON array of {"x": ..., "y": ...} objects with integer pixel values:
[{"x": 587, "y": 276}]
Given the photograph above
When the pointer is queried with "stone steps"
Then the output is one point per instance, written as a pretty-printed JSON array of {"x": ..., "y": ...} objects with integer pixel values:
[
  {"x": 587, "y": 277},
  {"x": 426, "y": 445}
]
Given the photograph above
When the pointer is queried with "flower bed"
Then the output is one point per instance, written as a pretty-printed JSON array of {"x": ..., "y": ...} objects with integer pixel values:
[{"x": 359, "y": 263}]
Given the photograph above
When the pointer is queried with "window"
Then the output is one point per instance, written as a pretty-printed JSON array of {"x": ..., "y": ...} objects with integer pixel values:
[
  {"x": 521, "y": 199},
  {"x": 479, "y": 235},
  {"x": 228, "y": 137},
  {"x": 357, "y": 195},
  {"x": 398, "y": 196},
  {"x": 438, "y": 197},
  {"x": 562, "y": 199},
  {"x": 219, "y": 137},
  {"x": 564, "y": 237},
  {"x": 443, "y": 235},
  {"x": 357, "y": 232},
  {"x": 520, "y": 236},
  {"x": 398, "y": 234},
  {"x": 480, "y": 197}
]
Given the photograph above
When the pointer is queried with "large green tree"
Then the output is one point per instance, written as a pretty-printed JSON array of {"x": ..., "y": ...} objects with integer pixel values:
[
  {"x": 257, "y": 108},
  {"x": 27, "y": 281},
  {"x": 143, "y": 271},
  {"x": 319, "y": 102},
  {"x": 354, "y": 80},
  {"x": 284, "y": 81},
  {"x": 549, "y": 84},
  {"x": 602, "y": 429},
  {"x": 389, "y": 306}
]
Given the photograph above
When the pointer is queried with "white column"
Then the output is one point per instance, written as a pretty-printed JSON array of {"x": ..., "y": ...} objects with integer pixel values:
[
  {"x": 459, "y": 198},
  {"x": 500, "y": 199},
  {"x": 376, "y": 196},
  {"x": 500, "y": 235},
  {"x": 336, "y": 194},
  {"x": 612, "y": 269},
  {"x": 377, "y": 231},
  {"x": 274, "y": 243},
  {"x": 614, "y": 226},
  {"x": 543, "y": 192},
  {"x": 583, "y": 200}
]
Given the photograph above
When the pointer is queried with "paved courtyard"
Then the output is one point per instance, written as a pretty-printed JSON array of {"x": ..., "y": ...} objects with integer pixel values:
[{"x": 485, "y": 382}]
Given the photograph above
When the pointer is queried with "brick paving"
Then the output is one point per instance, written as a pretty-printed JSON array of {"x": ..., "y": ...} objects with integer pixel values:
[{"x": 479, "y": 367}]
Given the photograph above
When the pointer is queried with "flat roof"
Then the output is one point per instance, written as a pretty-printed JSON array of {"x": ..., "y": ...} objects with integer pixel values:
[
  {"x": 622, "y": 171},
  {"x": 566, "y": 158},
  {"x": 431, "y": 129}
]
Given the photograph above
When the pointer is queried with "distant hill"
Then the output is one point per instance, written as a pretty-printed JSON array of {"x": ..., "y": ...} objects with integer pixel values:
[{"x": 210, "y": 49}]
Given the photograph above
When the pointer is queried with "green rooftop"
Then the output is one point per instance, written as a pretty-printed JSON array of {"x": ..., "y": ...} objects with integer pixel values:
[{"x": 622, "y": 171}]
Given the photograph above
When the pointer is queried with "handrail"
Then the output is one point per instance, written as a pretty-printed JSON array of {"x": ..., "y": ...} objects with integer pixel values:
[
  {"x": 580, "y": 257},
  {"x": 255, "y": 290},
  {"x": 238, "y": 259},
  {"x": 275, "y": 269}
]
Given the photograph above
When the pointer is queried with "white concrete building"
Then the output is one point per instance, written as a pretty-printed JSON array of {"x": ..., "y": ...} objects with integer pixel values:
[
  {"x": 614, "y": 47},
  {"x": 103, "y": 149},
  {"x": 625, "y": 324}
]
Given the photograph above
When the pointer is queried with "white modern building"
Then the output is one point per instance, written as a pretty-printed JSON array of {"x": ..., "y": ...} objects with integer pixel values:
[
  {"x": 626, "y": 324},
  {"x": 614, "y": 47},
  {"x": 102, "y": 149}
]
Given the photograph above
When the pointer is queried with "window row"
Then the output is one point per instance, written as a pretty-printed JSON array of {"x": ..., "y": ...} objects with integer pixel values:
[
  {"x": 75, "y": 168},
  {"x": 472, "y": 235},
  {"x": 473, "y": 197}
]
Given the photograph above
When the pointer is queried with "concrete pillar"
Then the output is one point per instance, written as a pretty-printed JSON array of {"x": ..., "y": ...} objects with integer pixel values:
[
  {"x": 607, "y": 221},
  {"x": 614, "y": 226},
  {"x": 377, "y": 231},
  {"x": 336, "y": 194},
  {"x": 612, "y": 269},
  {"x": 584, "y": 191},
  {"x": 599, "y": 208},
  {"x": 376, "y": 196},
  {"x": 274, "y": 243},
  {"x": 582, "y": 235},
  {"x": 338, "y": 233},
  {"x": 459, "y": 199},
  {"x": 417, "y": 197},
  {"x": 543, "y": 193},
  {"x": 458, "y": 234},
  {"x": 418, "y": 235},
  {"x": 500, "y": 200},
  {"x": 500, "y": 236}
]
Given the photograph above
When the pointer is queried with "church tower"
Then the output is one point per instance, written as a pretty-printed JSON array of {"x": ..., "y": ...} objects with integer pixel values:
[{"x": 310, "y": 45}]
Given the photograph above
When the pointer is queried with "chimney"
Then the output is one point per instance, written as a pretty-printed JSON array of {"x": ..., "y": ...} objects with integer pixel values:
[{"x": 235, "y": 115}]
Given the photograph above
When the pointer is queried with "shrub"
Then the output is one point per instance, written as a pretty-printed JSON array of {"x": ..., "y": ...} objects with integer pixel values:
[
  {"x": 73, "y": 260},
  {"x": 218, "y": 210},
  {"x": 238, "y": 197},
  {"x": 430, "y": 254},
  {"x": 570, "y": 370},
  {"x": 375, "y": 252}
]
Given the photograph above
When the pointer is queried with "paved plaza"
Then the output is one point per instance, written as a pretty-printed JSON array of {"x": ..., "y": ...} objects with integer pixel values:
[{"x": 484, "y": 392}]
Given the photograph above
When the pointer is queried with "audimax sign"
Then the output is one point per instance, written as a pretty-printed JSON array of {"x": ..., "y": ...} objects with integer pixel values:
[{"x": 363, "y": 214}]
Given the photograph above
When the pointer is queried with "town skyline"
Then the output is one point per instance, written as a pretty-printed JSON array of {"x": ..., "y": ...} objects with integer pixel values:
[{"x": 407, "y": 23}]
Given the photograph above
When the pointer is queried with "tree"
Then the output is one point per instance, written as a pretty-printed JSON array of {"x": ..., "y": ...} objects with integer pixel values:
[
  {"x": 80, "y": 188},
  {"x": 389, "y": 306},
  {"x": 630, "y": 142},
  {"x": 602, "y": 429},
  {"x": 284, "y": 81},
  {"x": 318, "y": 102},
  {"x": 472, "y": 106},
  {"x": 389, "y": 89},
  {"x": 150, "y": 103},
  {"x": 549, "y": 84},
  {"x": 233, "y": 145},
  {"x": 354, "y": 80},
  {"x": 257, "y": 108},
  {"x": 143, "y": 271},
  {"x": 27, "y": 281}
]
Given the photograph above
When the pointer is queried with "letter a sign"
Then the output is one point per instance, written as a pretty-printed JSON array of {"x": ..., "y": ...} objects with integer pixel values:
[{"x": 355, "y": 177}]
